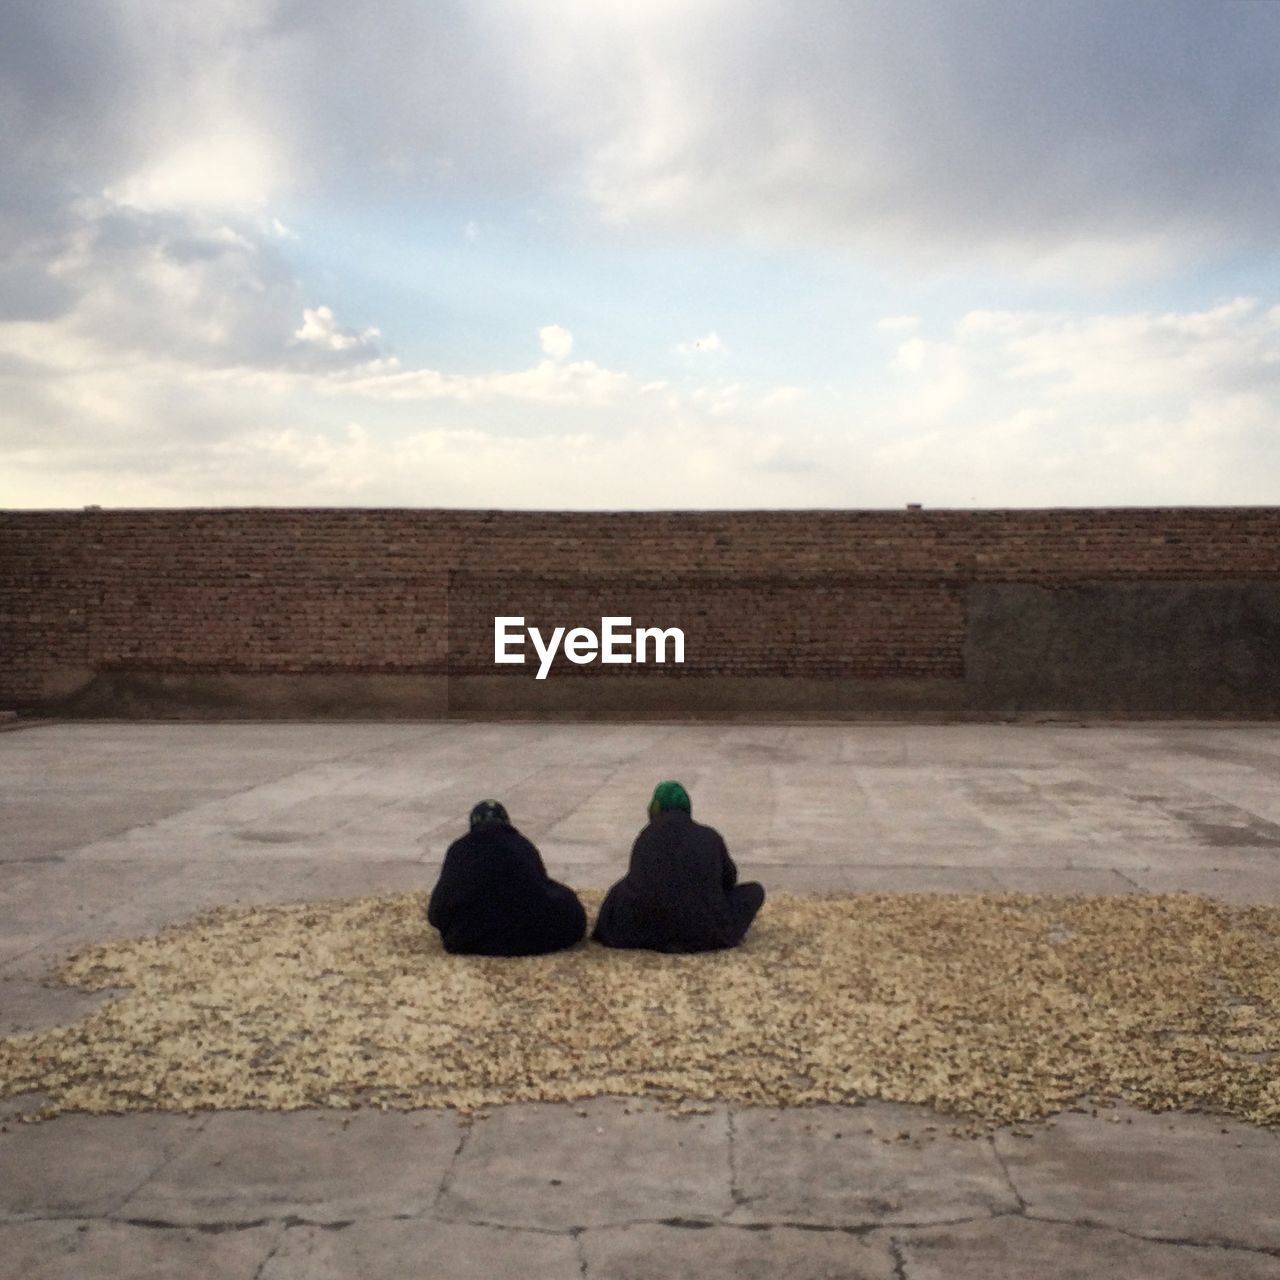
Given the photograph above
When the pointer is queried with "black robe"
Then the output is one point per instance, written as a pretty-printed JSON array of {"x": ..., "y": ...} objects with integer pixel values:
[
  {"x": 494, "y": 898},
  {"x": 680, "y": 892}
]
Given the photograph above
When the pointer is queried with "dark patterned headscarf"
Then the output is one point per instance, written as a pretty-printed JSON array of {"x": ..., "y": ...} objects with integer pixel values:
[
  {"x": 669, "y": 795},
  {"x": 488, "y": 811}
]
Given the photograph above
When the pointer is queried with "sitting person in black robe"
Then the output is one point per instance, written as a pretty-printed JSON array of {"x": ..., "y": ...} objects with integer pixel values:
[
  {"x": 494, "y": 897},
  {"x": 681, "y": 891}
]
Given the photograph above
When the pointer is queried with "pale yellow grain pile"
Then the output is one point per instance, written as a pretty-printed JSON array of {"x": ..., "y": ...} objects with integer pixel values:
[{"x": 995, "y": 1008}]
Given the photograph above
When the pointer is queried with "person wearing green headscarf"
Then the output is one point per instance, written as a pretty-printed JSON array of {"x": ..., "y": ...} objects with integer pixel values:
[{"x": 681, "y": 890}]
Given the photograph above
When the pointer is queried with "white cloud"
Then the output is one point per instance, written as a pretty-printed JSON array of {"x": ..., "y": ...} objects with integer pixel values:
[
  {"x": 1088, "y": 369},
  {"x": 1234, "y": 345},
  {"x": 911, "y": 355},
  {"x": 293, "y": 459},
  {"x": 165, "y": 323},
  {"x": 1008, "y": 408},
  {"x": 556, "y": 342},
  {"x": 1105, "y": 138},
  {"x": 934, "y": 379},
  {"x": 718, "y": 400},
  {"x": 320, "y": 329},
  {"x": 1032, "y": 407},
  {"x": 781, "y": 396},
  {"x": 225, "y": 169},
  {"x": 204, "y": 289},
  {"x": 549, "y": 381},
  {"x": 181, "y": 284},
  {"x": 937, "y": 130}
]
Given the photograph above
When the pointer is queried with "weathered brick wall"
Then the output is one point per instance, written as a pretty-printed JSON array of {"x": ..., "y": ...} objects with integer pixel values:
[
  {"x": 836, "y": 624},
  {"x": 825, "y": 595}
]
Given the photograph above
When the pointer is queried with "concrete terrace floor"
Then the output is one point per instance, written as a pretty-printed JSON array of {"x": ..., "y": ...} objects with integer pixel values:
[{"x": 110, "y": 830}]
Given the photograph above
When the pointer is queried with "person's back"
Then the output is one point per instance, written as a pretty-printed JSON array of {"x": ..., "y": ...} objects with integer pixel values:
[
  {"x": 494, "y": 896},
  {"x": 680, "y": 892}
]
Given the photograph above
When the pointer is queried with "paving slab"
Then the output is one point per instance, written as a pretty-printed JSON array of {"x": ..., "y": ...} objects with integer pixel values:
[
  {"x": 33, "y": 913},
  {"x": 1198, "y": 1178},
  {"x": 85, "y": 1166},
  {"x": 84, "y": 902},
  {"x": 1186, "y": 857},
  {"x": 993, "y": 854},
  {"x": 1246, "y": 781},
  {"x": 15, "y": 878},
  {"x": 17, "y": 947},
  {"x": 848, "y": 796},
  {"x": 67, "y": 893},
  {"x": 1066, "y": 881},
  {"x": 1005, "y": 746},
  {"x": 361, "y": 879},
  {"x": 802, "y": 806},
  {"x": 585, "y": 875},
  {"x": 320, "y": 1166},
  {"x": 796, "y": 878},
  {"x": 25, "y": 1247},
  {"x": 413, "y": 1249},
  {"x": 919, "y": 807},
  {"x": 114, "y": 829},
  {"x": 1251, "y": 886},
  {"x": 105, "y": 779},
  {"x": 909, "y": 879},
  {"x": 859, "y": 1166},
  {"x": 92, "y": 1250},
  {"x": 30, "y": 1004},
  {"x": 1011, "y": 1248},
  {"x": 661, "y": 1252},
  {"x": 85, "y": 812},
  {"x": 36, "y": 964},
  {"x": 266, "y": 878},
  {"x": 605, "y": 1160}
]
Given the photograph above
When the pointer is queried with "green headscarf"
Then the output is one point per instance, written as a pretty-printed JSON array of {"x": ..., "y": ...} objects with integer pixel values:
[{"x": 669, "y": 795}]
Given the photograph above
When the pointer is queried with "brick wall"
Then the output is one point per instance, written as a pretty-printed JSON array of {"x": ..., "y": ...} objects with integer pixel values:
[
  {"x": 820, "y": 595},
  {"x": 819, "y": 625}
]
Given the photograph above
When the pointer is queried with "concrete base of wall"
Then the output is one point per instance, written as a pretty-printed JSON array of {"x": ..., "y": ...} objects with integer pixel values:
[
  {"x": 234, "y": 696},
  {"x": 229, "y": 696},
  {"x": 658, "y": 697}
]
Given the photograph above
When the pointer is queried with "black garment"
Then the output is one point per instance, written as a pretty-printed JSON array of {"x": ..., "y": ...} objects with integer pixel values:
[
  {"x": 680, "y": 892},
  {"x": 494, "y": 898}
]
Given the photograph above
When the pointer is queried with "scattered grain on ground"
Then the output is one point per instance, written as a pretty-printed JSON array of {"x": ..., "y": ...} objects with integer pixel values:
[{"x": 994, "y": 1008}]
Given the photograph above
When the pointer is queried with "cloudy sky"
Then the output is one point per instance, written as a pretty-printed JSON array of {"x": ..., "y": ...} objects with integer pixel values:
[{"x": 679, "y": 253}]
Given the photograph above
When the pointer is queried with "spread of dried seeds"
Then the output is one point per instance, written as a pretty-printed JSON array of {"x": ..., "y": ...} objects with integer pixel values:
[{"x": 991, "y": 1008}]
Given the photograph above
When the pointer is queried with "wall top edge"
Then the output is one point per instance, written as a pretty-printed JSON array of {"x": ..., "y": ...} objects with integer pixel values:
[{"x": 635, "y": 514}]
